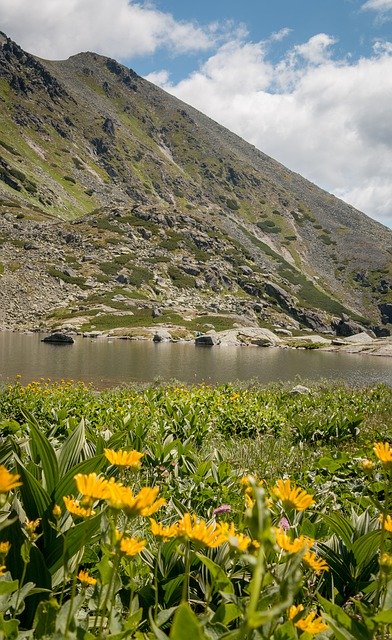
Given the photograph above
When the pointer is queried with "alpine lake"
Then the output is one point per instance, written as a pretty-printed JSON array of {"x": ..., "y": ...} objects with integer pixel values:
[{"x": 109, "y": 362}]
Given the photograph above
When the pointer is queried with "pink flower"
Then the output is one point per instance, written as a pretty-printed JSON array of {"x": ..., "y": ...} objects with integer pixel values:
[
  {"x": 284, "y": 524},
  {"x": 224, "y": 508}
]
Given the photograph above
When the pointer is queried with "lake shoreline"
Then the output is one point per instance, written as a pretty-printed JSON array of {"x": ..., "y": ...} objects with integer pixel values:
[{"x": 361, "y": 344}]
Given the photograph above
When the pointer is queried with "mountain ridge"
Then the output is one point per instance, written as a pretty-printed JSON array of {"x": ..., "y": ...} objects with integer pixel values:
[{"x": 88, "y": 144}]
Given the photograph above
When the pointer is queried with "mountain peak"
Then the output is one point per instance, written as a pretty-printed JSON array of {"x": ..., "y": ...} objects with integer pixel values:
[{"x": 144, "y": 179}]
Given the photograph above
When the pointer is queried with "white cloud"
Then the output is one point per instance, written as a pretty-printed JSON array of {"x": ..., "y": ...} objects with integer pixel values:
[
  {"x": 326, "y": 119},
  {"x": 59, "y": 28},
  {"x": 377, "y": 5}
]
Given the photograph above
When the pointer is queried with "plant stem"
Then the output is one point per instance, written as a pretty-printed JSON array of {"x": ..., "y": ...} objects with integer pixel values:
[{"x": 185, "y": 584}]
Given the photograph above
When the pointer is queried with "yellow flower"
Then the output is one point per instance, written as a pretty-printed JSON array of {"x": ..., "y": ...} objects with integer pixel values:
[
  {"x": 73, "y": 506},
  {"x": 91, "y": 486},
  {"x": 4, "y": 548},
  {"x": 196, "y": 530},
  {"x": 383, "y": 452},
  {"x": 386, "y": 522},
  {"x": 56, "y": 511},
  {"x": 86, "y": 579},
  {"x": 8, "y": 480},
  {"x": 131, "y": 546},
  {"x": 142, "y": 504},
  {"x": 292, "y": 546},
  {"x": 292, "y": 497},
  {"x": 314, "y": 562},
  {"x": 30, "y": 527},
  {"x": 295, "y": 610},
  {"x": 311, "y": 624},
  {"x": 237, "y": 540},
  {"x": 3, "y": 569},
  {"x": 124, "y": 458},
  {"x": 160, "y": 531}
]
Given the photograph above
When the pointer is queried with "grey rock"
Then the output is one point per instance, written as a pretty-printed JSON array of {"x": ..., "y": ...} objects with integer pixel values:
[
  {"x": 300, "y": 389},
  {"x": 258, "y": 307},
  {"x": 162, "y": 335},
  {"x": 122, "y": 278},
  {"x": 381, "y": 332},
  {"x": 206, "y": 340},
  {"x": 359, "y": 338},
  {"x": 69, "y": 272},
  {"x": 346, "y": 327},
  {"x": 386, "y": 312},
  {"x": 58, "y": 338}
]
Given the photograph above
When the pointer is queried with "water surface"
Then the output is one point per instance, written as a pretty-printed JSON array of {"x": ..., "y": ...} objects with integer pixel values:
[{"x": 107, "y": 363}]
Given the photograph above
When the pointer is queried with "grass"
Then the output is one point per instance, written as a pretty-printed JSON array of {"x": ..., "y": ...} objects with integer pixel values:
[{"x": 197, "y": 443}]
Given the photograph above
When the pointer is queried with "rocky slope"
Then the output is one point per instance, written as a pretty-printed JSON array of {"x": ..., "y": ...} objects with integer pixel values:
[{"x": 121, "y": 206}]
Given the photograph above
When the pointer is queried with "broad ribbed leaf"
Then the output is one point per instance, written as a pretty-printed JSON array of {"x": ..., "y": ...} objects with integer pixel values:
[
  {"x": 344, "y": 627},
  {"x": 366, "y": 547},
  {"x": 75, "y": 539},
  {"x": 186, "y": 625},
  {"x": 35, "y": 499},
  {"x": 219, "y": 580},
  {"x": 45, "y": 452},
  {"x": 66, "y": 486},
  {"x": 71, "y": 449},
  {"x": 340, "y": 526}
]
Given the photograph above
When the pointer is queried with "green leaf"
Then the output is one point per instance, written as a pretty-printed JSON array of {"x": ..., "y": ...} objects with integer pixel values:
[
  {"x": 68, "y": 612},
  {"x": 226, "y": 613},
  {"x": 366, "y": 547},
  {"x": 172, "y": 589},
  {"x": 75, "y": 539},
  {"x": 285, "y": 631},
  {"x": 36, "y": 502},
  {"x": 45, "y": 618},
  {"x": 25, "y": 551},
  {"x": 7, "y": 587},
  {"x": 383, "y": 617},
  {"x": 158, "y": 634},
  {"x": 340, "y": 526},
  {"x": 344, "y": 627},
  {"x": 71, "y": 449},
  {"x": 186, "y": 625},
  {"x": 105, "y": 568},
  {"x": 165, "y": 615},
  {"x": 220, "y": 580},
  {"x": 8, "y": 628},
  {"x": 66, "y": 486},
  {"x": 45, "y": 452}
]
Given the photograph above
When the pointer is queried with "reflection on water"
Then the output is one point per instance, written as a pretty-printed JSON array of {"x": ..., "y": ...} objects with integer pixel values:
[{"x": 108, "y": 363}]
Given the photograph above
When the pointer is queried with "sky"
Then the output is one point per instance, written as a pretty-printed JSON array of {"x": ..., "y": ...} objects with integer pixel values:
[{"x": 309, "y": 82}]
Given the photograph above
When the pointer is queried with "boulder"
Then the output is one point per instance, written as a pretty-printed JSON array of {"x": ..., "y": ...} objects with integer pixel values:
[
  {"x": 300, "y": 390},
  {"x": 346, "y": 327},
  {"x": 207, "y": 340},
  {"x": 58, "y": 338},
  {"x": 386, "y": 312},
  {"x": 123, "y": 278},
  {"x": 162, "y": 335},
  {"x": 308, "y": 341},
  {"x": 359, "y": 338},
  {"x": 381, "y": 332},
  {"x": 255, "y": 336}
]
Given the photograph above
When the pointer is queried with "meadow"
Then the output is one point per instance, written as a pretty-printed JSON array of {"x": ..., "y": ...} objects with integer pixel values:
[{"x": 207, "y": 513}]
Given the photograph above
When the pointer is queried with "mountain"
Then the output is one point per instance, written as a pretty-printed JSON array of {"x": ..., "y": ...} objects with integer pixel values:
[{"x": 121, "y": 206}]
